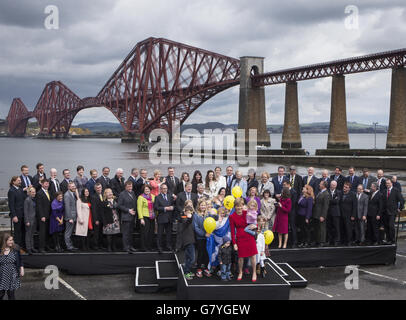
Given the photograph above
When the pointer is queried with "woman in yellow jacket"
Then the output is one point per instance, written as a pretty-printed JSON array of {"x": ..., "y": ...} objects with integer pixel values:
[{"x": 146, "y": 214}]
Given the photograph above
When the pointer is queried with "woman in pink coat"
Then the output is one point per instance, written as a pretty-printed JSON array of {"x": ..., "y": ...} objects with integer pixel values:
[{"x": 281, "y": 225}]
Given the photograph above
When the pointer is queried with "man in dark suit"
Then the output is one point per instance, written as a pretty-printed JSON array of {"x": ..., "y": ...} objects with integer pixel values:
[
  {"x": 230, "y": 176},
  {"x": 16, "y": 197},
  {"x": 104, "y": 179},
  {"x": 134, "y": 176},
  {"x": 348, "y": 206},
  {"x": 311, "y": 180},
  {"x": 172, "y": 181},
  {"x": 296, "y": 181},
  {"x": 43, "y": 207},
  {"x": 164, "y": 206},
  {"x": 54, "y": 185},
  {"x": 66, "y": 179},
  {"x": 396, "y": 184},
  {"x": 96, "y": 201},
  {"x": 339, "y": 178},
  {"x": 381, "y": 181},
  {"x": 320, "y": 211},
  {"x": 393, "y": 204},
  {"x": 353, "y": 179},
  {"x": 140, "y": 182},
  {"x": 366, "y": 181},
  {"x": 92, "y": 181},
  {"x": 292, "y": 213},
  {"x": 375, "y": 210},
  {"x": 26, "y": 179},
  {"x": 325, "y": 177},
  {"x": 279, "y": 180},
  {"x": 117, "y": 183},
  {"x": 127, "y": 203},
  {"x": 180, "y": 204},
  {"x": 333, "y": 216},
  {"x": 39, "y": 176}
]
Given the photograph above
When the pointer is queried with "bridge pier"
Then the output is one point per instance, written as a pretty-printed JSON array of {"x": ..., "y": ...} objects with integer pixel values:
[
  {"x": 134, "y": 138},
  {"x": 338, "y": 132},
  {"x": 291, "y": 138},
  {"x": 397, "y": 120},
  {"x": 251, "y": 113}
]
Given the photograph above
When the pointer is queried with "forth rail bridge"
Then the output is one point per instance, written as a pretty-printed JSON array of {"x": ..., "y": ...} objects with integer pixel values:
[{"x": 162, "y": 82}]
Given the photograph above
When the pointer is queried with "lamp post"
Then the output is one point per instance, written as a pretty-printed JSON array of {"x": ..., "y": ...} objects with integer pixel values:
[{"x": 375, "y": 124}]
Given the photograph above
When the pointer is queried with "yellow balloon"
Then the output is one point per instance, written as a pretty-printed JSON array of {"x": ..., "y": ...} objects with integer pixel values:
[
  {"x": 229, "y": 202},
  {"x": 237, "y": 192},
  {"x": 209, "y": 224},
  {"x": 268, "y": 234}
]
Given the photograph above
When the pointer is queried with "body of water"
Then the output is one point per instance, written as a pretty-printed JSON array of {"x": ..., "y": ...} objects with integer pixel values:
[{"x": 97, "y": 153}]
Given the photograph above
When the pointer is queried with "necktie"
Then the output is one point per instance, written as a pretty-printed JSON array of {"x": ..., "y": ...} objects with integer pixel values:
[
  {"x": 388, "y": 193},
  {"x": 101, "y": 197},
  {"x": 262, "y": 187},
  {"x": 173, "y": 180},
  {"x": 308, "y": 179},
  {"x": 365, "y": 183},
  {"x": 188, "y": 196},
  {"x": 26, "y": 181},
  {"x": 352, "y": 179},
  {"x": 292, "y": 180},
  {"x": 280, "y": 180},
  {"x": 165, "y": 197},
  {"x": 46, "y": 192}
]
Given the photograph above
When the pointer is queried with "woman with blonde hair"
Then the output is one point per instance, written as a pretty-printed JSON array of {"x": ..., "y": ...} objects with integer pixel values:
[
  {"x": 265, "y": 184},
  {"x": 201, "y": 235},
  {"x": 304, "y": 213},
  {"x": 11, "y": 267},
  {"x": 111, "y": 222},
  {"x": 155, "y": 184}
]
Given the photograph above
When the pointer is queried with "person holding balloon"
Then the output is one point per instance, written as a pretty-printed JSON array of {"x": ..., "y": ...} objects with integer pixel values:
[
  {"x": 201, "y": 235},
  {"x": 244, "y": 243}
]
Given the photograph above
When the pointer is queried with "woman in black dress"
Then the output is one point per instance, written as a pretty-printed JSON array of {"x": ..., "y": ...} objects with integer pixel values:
[
  {"x": 197, "y": 178},
  {"x": 11, "y": 267}
]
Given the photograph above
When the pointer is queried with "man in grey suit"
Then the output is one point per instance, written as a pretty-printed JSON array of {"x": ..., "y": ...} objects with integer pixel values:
[
  {"x": 127, "y": 203},
  {"x": 367, "y": 180},
  {"x": 362, "y": 200},
  {"x": 320, "y": 213},
  {"x": 70, "y": 216}
]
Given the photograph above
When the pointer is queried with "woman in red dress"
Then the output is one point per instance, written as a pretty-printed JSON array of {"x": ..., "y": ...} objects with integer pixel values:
[
  {"x": 243, "y": 242},
  {"x": 281, "y": 225}
]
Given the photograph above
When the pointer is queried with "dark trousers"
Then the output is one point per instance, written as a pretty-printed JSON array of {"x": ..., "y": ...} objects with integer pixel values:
[
  {"x": 147, "y": 232},
  {"x": 304, "y": 227},
  {"x": 333, "y": 228},
  {"x": 202, "y": 255},
  {"x": 19, "y": 232},
  {"x": 127, "y": 228},
  {"x": 189, "y": 257},
  {"x": 167, "y": 228},
  {"x": 10, "y": 294},
  {"x": 348, "y": 229},
  {"x": 29, "y": 235},
  {"x": 389, "y": 221},
  {"x": 292, "y": 227},
  {"x": 372, "y": 229},
  {"x": 97, "y": 235},
  {"x": 43, "y": 234},
  {"x": 320, "y": 231}
]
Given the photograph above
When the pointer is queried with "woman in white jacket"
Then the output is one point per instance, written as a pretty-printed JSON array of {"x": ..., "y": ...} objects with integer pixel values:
[
  {"x": 84, "y": 218},
  {"x": 221, "y": 180}
]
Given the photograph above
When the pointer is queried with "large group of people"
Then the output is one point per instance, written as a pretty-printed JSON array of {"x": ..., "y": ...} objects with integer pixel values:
[{"x": 303, "y": 211}]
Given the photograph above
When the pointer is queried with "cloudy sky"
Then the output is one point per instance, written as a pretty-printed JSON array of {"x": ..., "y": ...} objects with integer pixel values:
[{"x": 95, "y": 35}]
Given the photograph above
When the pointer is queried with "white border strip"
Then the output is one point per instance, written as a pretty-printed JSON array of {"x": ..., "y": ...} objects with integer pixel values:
[
  {"x": 297, "y": 273},
  {"x": 382, "y": 276},
  {"x": 158, "y": 276},
  {"x": 69, "y": 287}
]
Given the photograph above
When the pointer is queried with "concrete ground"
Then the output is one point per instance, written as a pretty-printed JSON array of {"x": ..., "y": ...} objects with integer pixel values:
[{"x": 375, "y": 282}]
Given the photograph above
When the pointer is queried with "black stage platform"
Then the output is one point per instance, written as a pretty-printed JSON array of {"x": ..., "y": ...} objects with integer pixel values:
[
  {"x": 336, "y": 256},
  {"x": 99, "y": 263}
]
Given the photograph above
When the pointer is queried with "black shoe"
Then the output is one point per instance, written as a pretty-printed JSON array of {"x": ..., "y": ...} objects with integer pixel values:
[
  {"x": 42, "y": 250},
  {"x": 133, "y": 249},
  {"x": 29, "y": 252},
  {"x": 34, "y": 250},
  {"x": 294, "y": 246},
  {"x": 159, "y": 250},
  {"x": 130, "y": 252}
]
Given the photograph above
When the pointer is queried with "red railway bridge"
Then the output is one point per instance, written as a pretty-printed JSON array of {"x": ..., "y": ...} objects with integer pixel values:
[{"x": 162, "y": 82}]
